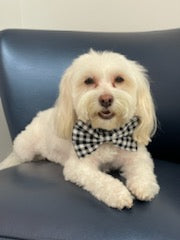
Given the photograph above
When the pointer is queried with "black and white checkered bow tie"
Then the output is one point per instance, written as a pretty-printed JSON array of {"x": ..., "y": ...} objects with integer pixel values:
[{"x": 87, "y": 139}]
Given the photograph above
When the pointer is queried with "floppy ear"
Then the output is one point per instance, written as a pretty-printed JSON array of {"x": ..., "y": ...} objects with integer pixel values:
[
  {"x": 64, "y": 112},
  {"x": 144, "y": 109}
]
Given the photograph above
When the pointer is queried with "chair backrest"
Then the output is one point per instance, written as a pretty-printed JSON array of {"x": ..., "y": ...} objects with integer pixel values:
[{"x": 32, "y": 62}]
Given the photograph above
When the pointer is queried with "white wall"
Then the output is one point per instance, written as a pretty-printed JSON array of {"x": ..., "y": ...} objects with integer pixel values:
[
  {"x": 93, "y": 15},
  {"x": 85, "y": 15}
]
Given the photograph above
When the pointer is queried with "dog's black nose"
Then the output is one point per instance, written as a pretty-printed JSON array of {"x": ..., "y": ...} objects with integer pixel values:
[{"x": 106, "y": 100}]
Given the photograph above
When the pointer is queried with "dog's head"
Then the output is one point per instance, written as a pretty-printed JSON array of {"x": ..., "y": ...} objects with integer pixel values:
[{"x": 106, "y": 90}]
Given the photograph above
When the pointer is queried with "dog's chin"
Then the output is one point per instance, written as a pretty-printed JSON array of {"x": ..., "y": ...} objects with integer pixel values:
[{"x": 106, "y": 120}]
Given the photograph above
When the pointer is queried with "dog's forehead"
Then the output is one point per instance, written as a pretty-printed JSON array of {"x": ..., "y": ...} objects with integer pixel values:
[
  {"x": 101, "y": 57},
  {"x": 102, "y": 61}
]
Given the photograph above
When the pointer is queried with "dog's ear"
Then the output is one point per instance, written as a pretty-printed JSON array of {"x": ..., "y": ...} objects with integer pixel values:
[
  {"x": 144, "y": 109},
  {"x": 64, "y": 112}
]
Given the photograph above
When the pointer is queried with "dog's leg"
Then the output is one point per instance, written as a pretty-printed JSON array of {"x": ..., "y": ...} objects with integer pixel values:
[
  {"x": 138, "y": 169},
  {"x": 10, "y": 161},
  {"x": 103, "y": 186},
  {"x": 24, "y": 149}
]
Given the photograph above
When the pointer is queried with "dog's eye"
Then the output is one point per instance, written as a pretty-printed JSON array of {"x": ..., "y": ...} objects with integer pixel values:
[
  {"x": 89, "y": 81},
  {"x": 119, "y": 79}
]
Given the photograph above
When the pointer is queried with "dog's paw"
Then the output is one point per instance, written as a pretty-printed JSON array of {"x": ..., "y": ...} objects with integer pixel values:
[
  {"x": 143, "y": 190},
  {"x": 116, "y": 196}
]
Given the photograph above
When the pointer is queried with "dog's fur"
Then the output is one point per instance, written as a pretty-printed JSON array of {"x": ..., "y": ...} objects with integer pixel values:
[{"x": 49, "y": 134}]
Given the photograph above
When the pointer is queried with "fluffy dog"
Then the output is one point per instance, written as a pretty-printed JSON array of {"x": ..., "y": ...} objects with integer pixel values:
[{"x": 104, "y": 90}]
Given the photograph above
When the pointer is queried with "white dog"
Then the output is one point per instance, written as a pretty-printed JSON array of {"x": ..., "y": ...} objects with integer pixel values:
[{"x": 106, "y": 91}]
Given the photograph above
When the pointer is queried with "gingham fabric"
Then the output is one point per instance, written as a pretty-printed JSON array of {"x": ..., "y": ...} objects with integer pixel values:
[{"x": 87, "y": 139}]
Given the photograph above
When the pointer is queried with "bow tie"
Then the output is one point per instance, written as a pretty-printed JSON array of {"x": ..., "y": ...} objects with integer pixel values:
[{"x": 87, "y": 139}]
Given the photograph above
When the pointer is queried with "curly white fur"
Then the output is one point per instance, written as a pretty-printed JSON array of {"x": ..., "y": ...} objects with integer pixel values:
[{"x": 49, "y": 133}]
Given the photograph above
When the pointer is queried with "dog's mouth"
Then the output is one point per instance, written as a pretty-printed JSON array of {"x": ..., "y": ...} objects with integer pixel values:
[{"x": 106, "y": 114}]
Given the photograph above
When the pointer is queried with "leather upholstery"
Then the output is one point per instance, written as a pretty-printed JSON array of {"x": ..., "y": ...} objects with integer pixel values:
[{"x": 35, "y": 201}]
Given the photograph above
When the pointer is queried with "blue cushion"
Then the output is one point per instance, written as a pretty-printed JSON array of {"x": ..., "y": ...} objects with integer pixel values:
[{"x": 37, "y": 203}]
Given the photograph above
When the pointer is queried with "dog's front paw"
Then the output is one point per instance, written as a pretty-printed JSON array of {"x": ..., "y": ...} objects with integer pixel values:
[
  {"x": 143, "y": 190},
  {"x": 116, "y": 196}
]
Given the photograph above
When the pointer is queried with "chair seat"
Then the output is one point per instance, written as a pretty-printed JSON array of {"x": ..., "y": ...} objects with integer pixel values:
[{"x": 37, "y": 203}]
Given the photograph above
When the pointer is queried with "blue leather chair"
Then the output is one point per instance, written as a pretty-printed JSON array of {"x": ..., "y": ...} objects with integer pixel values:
[{"x": 35, "y": 201}]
